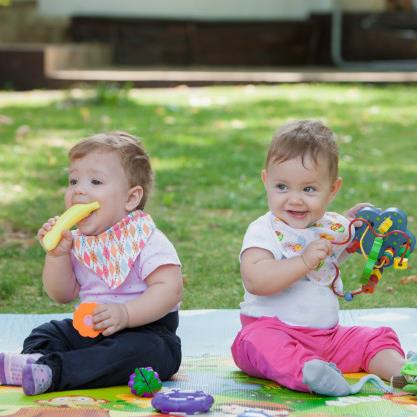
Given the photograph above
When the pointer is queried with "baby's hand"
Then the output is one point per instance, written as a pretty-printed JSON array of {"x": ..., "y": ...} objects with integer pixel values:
[
  {"x": 65, "y": 244},
  {"x": 111, "y": 317},
  {"x": 316, "y": 252},
  {"x": 352, "y": 212}
]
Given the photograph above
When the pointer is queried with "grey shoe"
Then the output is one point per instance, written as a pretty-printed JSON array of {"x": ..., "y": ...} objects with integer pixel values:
[{"x": 326, "y": 379}]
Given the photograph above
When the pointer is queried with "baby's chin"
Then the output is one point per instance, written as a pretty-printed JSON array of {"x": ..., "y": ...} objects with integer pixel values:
[
  {"x": 90, "y": 231},
  {"x": 298, "y": 225},
  {"x": 295, "y": 220}
]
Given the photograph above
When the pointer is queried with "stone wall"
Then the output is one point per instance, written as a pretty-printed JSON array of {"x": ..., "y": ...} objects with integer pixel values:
[{"x": 20, "y": 22}]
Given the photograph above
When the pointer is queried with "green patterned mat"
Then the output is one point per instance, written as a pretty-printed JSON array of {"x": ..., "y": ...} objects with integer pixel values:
[{"x": 233, "y": 391}]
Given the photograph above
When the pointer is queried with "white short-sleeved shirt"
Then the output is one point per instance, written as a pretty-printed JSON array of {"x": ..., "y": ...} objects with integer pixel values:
[
  {"x": 302, "y": 304},
  {"x": 158, "y": 251}
]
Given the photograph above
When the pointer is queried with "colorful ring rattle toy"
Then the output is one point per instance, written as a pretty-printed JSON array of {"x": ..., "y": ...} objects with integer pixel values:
[
  {"x": 182, "y": 401},
  {"x": 144, "y": 382},
  {"x": 389, "y": 243},
  {"x": 82, "y": 320}
]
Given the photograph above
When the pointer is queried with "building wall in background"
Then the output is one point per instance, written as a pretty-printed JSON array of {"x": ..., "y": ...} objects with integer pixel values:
[
  {"x": 214, "y": 9},
  {"x": 187, "y": 9},
  {"x": 21, "y": 22}
]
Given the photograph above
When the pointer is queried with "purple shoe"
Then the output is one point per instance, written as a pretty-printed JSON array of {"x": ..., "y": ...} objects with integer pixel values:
[
  {"x": 36, "y": 379},
  {"x": 11, "y": 366}
]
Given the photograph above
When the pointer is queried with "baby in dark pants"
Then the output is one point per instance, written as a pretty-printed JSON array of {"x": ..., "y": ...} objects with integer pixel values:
[{"x": 116, "y": 258}]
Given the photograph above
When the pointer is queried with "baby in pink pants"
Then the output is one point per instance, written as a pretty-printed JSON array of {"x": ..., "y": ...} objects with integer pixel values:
[{"x": 290, "y": 332}]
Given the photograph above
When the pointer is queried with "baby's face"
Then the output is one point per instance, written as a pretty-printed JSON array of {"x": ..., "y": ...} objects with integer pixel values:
[
  {"x": 299, "y": 194},
  {"x": 98, "y": 176}
]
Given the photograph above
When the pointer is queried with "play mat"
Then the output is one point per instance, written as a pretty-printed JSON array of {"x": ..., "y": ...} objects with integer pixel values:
[{"x": 207, "y": 366}]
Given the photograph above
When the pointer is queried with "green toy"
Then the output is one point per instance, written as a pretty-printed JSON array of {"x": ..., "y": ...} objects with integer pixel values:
[
  {"x": 409, "y": 372},
  {"x": 372, "y": 260}
]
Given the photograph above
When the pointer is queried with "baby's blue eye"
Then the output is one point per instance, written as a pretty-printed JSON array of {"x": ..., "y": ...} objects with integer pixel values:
[
  {"x": 282, "y": 187},
  {"x": 309, "y": 189},
  {"x": 96, "y": 182},
  {"x": 72, "y": 181}
]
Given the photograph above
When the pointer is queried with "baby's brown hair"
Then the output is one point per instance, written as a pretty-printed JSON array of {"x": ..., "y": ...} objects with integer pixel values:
[
  {"x": 134, "y": 159},
  {"x": 305, "y": 138}
]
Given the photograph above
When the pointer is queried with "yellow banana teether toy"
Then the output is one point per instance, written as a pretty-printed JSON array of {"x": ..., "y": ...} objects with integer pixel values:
[{"x": 68, "y": 219}]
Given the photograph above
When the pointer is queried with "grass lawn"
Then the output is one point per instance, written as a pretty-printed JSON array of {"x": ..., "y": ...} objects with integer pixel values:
[{"x": 207, "y": 147}]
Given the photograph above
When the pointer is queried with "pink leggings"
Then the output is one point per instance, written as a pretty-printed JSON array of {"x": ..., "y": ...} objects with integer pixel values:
[{"x": 268, "y": 348}]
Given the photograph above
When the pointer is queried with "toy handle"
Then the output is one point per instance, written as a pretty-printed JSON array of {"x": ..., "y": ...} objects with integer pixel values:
[{"x": 67, "y": 220}]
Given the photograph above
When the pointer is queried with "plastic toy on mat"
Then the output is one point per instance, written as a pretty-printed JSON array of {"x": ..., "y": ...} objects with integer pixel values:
[
  {"x": 409, "y": 371},
  {"x": 69, "y": 218},
  {"x": 182, "y": 401},
  {"x": 83, "y": 321},
  {"x": 144, "y": 382},
  {"x": 384, "y": 240}
]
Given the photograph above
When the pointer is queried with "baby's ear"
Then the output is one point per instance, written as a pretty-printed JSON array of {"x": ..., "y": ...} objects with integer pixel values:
[
  {"x": 263, "y": 176},
  {"x": 337, "y": 184},
  {"x": 134, "y": 197}
]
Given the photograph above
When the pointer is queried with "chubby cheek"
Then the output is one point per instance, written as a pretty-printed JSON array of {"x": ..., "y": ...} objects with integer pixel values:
[
  {"x": 274, "y": 200},
  {"x": 319, "y": 210},
  {"x": 68, "y": 199}
]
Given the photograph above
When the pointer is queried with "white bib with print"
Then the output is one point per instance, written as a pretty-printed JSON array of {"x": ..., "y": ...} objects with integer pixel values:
[{"x": 292, "y": 242}]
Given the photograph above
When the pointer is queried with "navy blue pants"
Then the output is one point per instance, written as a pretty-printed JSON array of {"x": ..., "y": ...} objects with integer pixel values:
[{"x": 82, "y": 362}]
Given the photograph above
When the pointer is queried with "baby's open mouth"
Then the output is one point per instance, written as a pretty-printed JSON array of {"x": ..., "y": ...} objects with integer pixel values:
[
  {"x": 297, "y": 213},
  {"x": 85, "y": 219}
]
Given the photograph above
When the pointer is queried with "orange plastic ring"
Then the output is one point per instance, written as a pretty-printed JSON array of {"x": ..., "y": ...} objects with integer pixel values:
[{"x": 82, "y": 320}]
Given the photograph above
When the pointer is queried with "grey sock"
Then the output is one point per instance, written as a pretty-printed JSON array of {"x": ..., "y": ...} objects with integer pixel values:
[{"x": 325, "y": 378}]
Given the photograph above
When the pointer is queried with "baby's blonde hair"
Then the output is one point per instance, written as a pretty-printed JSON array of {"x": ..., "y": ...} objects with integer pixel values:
[
  {"x": 134, "y": 159},
  {"x": 305, "y": 138}
]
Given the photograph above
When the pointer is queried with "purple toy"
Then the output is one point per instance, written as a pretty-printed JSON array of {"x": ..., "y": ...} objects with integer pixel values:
[
  {"x": 144, "y": 382},
  {"x": 182, "y": 401}
]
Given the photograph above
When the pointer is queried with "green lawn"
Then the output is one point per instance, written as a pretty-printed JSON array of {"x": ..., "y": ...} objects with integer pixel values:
[{"x": 207, "y": 147}]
